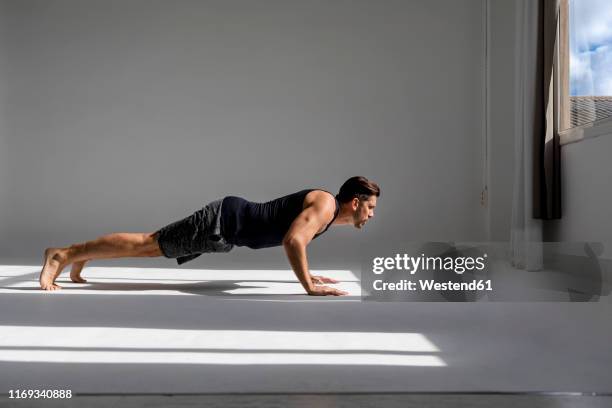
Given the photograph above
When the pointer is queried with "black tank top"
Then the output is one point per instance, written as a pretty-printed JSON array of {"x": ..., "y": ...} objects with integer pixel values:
[{"x": 262, "y": 225}]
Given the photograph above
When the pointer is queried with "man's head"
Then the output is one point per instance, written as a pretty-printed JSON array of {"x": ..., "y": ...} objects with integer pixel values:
[{"x": 359, "y": 195}]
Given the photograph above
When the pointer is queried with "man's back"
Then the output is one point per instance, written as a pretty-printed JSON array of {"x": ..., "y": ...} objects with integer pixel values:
[{"x": 261, "y": 225}]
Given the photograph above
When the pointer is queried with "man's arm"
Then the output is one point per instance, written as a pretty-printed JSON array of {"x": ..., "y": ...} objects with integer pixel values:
[{"x": 299, "y": 235}]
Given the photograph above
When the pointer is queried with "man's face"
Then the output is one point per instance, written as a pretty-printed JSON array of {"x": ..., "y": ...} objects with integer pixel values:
[{"x": 363, "y": 210}]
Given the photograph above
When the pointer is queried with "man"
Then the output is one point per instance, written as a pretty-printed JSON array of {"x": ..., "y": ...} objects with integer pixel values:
[{"x": 291, "y": 221}]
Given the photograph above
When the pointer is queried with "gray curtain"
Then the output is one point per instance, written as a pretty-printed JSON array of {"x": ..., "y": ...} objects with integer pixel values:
[{"x": 547, "y": 149}]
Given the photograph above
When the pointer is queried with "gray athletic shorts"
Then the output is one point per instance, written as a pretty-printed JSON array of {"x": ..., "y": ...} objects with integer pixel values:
[{"x": 194, "y": 235}]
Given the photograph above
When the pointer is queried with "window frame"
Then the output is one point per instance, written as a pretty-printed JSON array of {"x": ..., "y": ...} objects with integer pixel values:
[{"x": 562, "y": 77}]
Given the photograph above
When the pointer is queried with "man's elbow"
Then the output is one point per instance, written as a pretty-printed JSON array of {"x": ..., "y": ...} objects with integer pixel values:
[{"x": 293, "y": 241}]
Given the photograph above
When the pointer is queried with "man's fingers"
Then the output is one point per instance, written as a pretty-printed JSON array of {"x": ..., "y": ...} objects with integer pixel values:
[
  {"x": 335, "y": 292},
  {"x": 326, "y": 291},
  {"x": 323, "y": 279}
]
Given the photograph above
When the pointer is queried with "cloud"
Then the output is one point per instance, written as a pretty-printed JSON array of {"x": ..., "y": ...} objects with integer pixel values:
[{"x": 590, "y": 47}]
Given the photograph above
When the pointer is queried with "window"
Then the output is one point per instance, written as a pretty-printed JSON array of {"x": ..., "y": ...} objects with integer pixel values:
[{"x": 585, "y": 63}]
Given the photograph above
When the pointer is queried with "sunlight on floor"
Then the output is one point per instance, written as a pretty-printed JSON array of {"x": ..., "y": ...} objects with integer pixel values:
[
  {"x": 169, "y": 346},
  {"x": 170, "y": 281},
  {"x": 177, "y": 346}
]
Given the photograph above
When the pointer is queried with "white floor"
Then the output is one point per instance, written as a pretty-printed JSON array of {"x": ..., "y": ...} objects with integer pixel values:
[{"x": 146, "y": 330}]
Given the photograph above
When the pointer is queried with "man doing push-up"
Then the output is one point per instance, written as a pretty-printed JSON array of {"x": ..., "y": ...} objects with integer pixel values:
[{"x": 291, "y": 221}]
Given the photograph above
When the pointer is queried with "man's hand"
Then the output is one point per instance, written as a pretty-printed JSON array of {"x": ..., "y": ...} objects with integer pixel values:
[
  {"x": 326, "y": 291},
  {"x": 319, "y": 280}
]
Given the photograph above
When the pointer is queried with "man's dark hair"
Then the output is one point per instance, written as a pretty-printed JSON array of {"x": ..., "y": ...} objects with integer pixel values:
[{"x": 359, "y": 187}]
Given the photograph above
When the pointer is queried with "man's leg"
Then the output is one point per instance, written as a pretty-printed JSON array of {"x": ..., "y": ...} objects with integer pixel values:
[
  {"x": 117, "y": 245},
  {"x": 75, "y": 272}
]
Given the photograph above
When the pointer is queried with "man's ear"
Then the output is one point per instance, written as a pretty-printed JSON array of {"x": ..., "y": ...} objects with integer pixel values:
[{"x": 355, "y": 203}]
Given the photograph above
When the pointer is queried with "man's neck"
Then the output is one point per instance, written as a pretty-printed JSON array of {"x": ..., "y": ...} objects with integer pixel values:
[{"x": 345, "y": 216}]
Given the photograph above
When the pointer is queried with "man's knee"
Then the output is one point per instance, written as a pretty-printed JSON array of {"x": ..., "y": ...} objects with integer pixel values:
[{"x": 151, "y": 245}]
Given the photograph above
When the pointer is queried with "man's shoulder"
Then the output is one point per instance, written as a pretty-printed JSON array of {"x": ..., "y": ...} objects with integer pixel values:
[{"x": 321, "y": 201}]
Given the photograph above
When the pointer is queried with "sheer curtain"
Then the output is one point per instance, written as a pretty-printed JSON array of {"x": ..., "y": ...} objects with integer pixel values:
[{"x": 536, "y": 189}]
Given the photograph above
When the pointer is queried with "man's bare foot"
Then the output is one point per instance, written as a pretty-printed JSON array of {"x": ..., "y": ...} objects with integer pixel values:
[
  {"x": 54, "y": 263},
  {"x": 75, "y": 272}
]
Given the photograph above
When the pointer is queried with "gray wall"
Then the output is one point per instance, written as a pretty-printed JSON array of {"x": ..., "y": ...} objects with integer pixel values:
[
  {"x": 127, "y": 115},
  {"x": 4, "y": 168},
  {"x": 501, "y": 117},
  {"x": 586, "y": 172}
]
